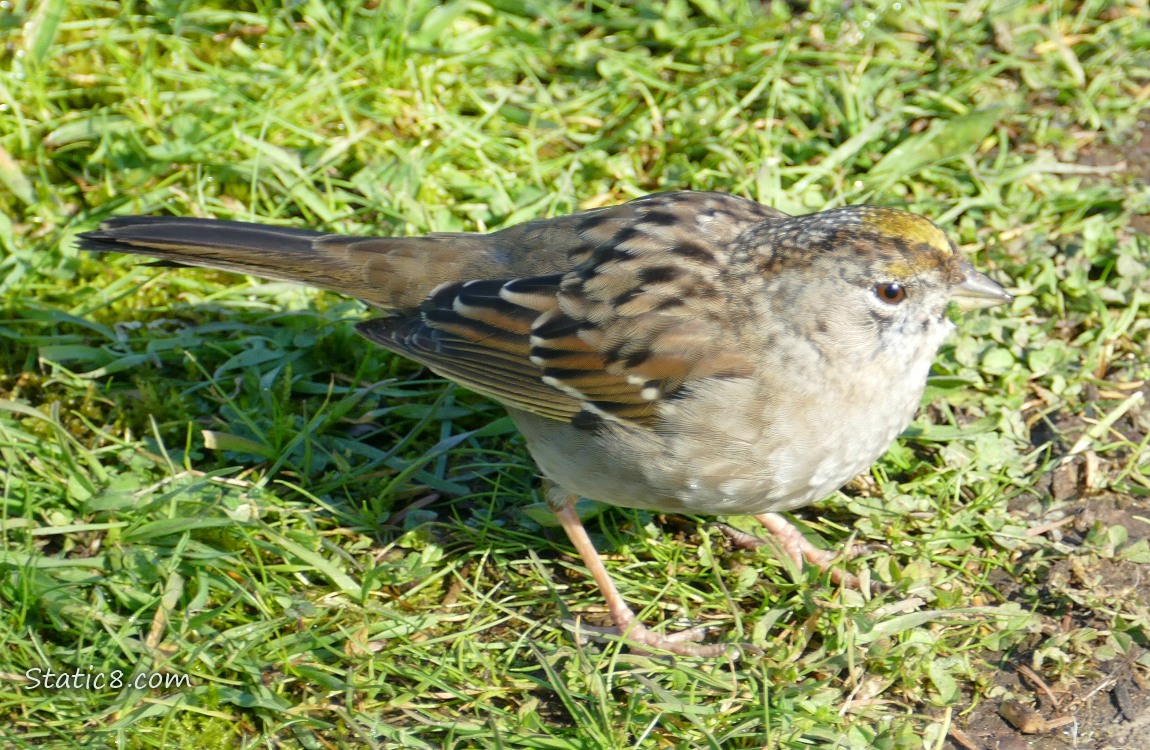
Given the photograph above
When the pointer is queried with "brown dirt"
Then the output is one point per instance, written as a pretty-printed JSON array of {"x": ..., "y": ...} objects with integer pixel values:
[
  {"x": 1135, "y": 152},
  {"x": 1110, "y": 710},
  {"x": 1109, "y": 707}
]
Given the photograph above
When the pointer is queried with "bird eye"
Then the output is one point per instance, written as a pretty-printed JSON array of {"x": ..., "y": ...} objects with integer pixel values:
[{"x": 890, "y": 293}]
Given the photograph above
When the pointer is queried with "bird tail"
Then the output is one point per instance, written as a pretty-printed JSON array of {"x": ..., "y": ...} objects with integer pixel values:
[
  {"x": 240, "y": 247},
  {"x": 387, "y": 272}
]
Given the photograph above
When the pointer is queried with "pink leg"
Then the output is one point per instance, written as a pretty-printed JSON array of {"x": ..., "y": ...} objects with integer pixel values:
[
  {"x": 796, "y": 546},
  {"x": 626, "y": 624}
]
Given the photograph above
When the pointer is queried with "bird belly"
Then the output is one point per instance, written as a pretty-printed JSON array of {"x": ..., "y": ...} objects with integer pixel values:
[{"x": 711, "y": 458}]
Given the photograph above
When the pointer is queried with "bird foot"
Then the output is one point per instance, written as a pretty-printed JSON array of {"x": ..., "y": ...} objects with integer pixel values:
[
  {"x": 795, "y": 546},
  {"x": 641, "y": 638}
]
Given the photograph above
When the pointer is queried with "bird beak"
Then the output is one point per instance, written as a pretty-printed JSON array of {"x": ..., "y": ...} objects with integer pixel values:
[{"x": 977, "y": 290}]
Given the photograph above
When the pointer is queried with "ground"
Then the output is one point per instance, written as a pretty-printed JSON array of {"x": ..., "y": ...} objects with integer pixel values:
[
  {"x": 1112, "y": 710},
  {"x": 214, "y": 477}
]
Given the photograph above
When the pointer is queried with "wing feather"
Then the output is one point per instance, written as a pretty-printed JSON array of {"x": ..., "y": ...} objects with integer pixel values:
[{"x": 643, "y": 315}]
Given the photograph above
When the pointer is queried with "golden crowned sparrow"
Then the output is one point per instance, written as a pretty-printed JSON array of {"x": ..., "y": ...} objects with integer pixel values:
[{"x": 685, "y": 351}]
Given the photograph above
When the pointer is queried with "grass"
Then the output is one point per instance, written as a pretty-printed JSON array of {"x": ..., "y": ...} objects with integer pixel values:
[{"x": 213, "y": 477}]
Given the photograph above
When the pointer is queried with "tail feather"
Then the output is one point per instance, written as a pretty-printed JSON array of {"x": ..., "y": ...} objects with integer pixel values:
[
  {"x": 388, "y": 272},
  {"x": 255, "y": 249},
  {"x": 119, "y": 222}
]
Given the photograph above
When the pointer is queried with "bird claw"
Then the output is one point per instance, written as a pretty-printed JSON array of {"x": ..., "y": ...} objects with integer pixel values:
[
  {"x": 640, "y": 638},
  {"x": 795, "y": 546},
  {"x": 740, "y": 539}
]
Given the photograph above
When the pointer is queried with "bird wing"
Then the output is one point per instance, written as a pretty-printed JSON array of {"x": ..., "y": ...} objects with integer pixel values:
[{"x": 650, "y": 309}]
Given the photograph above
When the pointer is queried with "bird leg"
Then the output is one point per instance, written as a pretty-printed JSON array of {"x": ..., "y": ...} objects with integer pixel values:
[
  {"x": 627, "y": 624},
  {"x": 796, "y": 547}
]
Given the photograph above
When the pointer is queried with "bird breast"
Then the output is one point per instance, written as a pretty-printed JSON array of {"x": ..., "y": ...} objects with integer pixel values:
[{"x": 733, "y": 445}]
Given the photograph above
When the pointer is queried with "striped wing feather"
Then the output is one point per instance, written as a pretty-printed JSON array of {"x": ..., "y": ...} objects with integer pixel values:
[{"x": 552, "y": 346}]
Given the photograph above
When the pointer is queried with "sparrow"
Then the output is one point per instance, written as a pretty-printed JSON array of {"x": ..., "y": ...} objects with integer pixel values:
[{"x": 684, "y": 352}]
